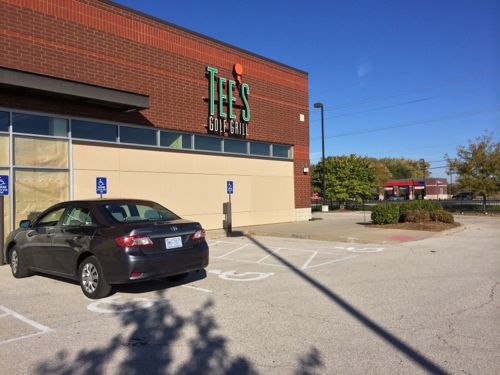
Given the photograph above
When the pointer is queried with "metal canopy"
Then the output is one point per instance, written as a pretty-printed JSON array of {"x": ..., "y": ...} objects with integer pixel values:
[{"x": 82, "y": 92}]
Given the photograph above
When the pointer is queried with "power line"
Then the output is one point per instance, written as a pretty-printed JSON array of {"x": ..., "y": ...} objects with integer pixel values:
[
  {"x": 392, "y": 151},
  {"x": 434, "y": 161},
  {"x": 380, "y": 108},
  {"x": 418, "y": 100},
  {"x": 443, "y": 166},
  {"x": 415, "y": 123},
  {"x": 444, "y": 83}
]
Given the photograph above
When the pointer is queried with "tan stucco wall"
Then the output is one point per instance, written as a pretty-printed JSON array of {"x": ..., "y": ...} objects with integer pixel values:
[{"x": 191, "y": 185}]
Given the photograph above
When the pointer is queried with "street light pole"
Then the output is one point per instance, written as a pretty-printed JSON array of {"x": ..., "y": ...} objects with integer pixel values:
[{"x": 323, "y": 183}]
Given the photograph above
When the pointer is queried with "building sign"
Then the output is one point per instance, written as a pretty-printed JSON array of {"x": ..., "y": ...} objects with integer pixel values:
[
  {"x": 231, "y": 95},
  {"x": 230, "y": 187},
  {"x": 101, "y": 185},
  {"x": 4, "y": 185}
]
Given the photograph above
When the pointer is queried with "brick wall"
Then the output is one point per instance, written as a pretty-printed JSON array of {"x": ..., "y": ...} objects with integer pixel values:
[{"x": 104, "y": 44}]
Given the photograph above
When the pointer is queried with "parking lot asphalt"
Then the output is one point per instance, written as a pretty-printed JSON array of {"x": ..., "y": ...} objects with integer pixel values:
[{"x": 275, "y": 305}]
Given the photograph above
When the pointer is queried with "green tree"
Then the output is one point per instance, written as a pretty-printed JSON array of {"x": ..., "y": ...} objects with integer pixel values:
[
  {"x": 381, "y": 174},
  {"x": 478, "y": 167},
  {"x": 347, "y": 178},
  {"x": 404, "y": 168}
]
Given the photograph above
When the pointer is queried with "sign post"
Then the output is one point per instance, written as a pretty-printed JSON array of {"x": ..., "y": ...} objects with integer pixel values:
[
  {"x": 101, "y": 185},
  {"x": 4, "y": 191},
  {"x": 228, "y": 210}
]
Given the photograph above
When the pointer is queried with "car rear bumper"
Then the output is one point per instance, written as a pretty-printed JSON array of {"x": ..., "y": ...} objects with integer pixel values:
[{"x": 157, "y": 266}]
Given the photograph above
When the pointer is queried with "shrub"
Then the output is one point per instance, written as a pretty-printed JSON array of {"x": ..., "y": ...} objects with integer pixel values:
[
  {"x": 415, "y": 216},
  {"x": 442, "y": 216},
  {"x": 428, "y": 206},
  {"x": 423, "y": 205},
  {"x": 385, "y": 213}
]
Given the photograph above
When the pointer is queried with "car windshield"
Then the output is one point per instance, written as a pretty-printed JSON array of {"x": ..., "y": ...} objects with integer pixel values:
[{"x": 144, "y": 211}]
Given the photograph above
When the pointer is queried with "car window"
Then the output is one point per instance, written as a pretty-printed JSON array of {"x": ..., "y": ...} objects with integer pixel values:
[
  {"x": 77, "y": 216},
  {"x": 52, "y": 218},
  {"x": 129, "y": 212}
]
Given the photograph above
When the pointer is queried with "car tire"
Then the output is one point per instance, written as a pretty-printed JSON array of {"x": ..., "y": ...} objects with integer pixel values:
[
  {"x": 176, "y": 278},
  {"x": 17, "y": 265},
  {"x": 92, "y": 280}
]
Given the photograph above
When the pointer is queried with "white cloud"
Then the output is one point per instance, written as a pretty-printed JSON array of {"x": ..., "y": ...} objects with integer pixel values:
[{"x": 363, "y": 69}]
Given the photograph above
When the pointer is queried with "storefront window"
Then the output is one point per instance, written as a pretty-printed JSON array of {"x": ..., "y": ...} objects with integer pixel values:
[
  {"x": 258, "y": 148},
  {"x": 93, "y": 130},
  {"x": 36, "y": 190},
  {"x": 4, "y": 150},
  {"x": 207, "y": 143},
  {"x": 280, "y": 151},
  {"x": 175, "y": 140},
  {"x": 4, "y": 121},
  {"x": 137, "y": 136},
  {"x": 42, "y": 125},
  {"x": 37, "y": 152},
  {"x": 237, "y": 147}
]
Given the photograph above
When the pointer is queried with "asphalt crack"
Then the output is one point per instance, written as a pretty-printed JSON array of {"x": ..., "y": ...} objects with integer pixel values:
[
  {"x": 491, "y": 297},
  {"x": 443, "y": 340}
]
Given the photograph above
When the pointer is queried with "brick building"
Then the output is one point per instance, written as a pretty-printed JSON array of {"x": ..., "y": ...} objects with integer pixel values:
[
  {"x": 429, "y": 188},
  {"x": 93, "y": 89}
]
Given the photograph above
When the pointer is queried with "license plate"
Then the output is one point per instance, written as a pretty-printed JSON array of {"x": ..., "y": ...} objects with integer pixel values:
[{"x": 173, "y": 243}]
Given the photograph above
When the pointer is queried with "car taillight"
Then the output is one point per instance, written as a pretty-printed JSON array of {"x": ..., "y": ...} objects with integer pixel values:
[
  {"x": 199, "y": 234},
  {"x": 133, "y": 241}
]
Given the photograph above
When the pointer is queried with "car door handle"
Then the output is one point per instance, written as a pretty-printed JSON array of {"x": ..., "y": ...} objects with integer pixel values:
[{"x": 50, "y": 234}]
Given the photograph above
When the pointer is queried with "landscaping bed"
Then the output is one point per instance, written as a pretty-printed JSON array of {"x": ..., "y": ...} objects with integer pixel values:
[
  {"x": 414, "y": 215},
  {"x": 431, "y": 226}
]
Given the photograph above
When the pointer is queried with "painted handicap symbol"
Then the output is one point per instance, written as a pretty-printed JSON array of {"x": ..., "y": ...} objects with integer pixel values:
[
  {"x": 244, "y": 276},
  {"x": 111, "y": 305}
]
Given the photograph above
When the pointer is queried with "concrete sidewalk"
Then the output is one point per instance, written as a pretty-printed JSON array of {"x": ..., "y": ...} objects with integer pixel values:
[{"x": 337, "y": 226}]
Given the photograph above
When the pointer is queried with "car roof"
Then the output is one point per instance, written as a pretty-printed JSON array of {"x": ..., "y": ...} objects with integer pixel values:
[{"x": 107, "y": 200}]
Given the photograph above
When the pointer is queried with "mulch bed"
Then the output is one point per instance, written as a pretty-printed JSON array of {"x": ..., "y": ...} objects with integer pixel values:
[{"x": 431, "y": 226}]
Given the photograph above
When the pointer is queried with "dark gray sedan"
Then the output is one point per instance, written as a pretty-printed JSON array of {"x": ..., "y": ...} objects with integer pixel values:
[{"x": 105, "y": 242}]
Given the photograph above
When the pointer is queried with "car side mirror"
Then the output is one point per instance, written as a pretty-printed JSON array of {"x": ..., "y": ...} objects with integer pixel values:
[{"x": 25, "y": 224}]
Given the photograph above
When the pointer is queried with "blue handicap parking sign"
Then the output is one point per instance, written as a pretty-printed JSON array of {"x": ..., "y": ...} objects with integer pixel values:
[
  {"x": 4, "y": 185},
  {"x": 230, "y": 189},
  {"x": 101, "y": 185}
]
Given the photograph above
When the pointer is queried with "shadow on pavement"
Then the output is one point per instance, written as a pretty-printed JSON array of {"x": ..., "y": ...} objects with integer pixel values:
[
  {"x": 309, "y": 362},
  {"x": 148, "y": 338},
  {"x": 158, "y": 284},
  {"x": 412, "y": 354},
  {"x": 146, "y": 342}
]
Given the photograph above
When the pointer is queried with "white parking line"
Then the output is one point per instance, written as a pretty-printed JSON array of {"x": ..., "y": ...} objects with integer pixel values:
[
  {"x": 330, "y": 262},
  {"x": 43, "y": 329},
  {"x": 233, "y": 251},
  {"x": 268, "y": 255},
  {"x": 304, "y": 266},
  {"x": 312, "y": 256},
  {"x": 197, "y": 288}
]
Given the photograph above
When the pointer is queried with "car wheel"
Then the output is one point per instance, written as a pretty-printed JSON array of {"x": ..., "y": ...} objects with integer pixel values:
[
  {"x": 17, "y": 265},
  {"x": 92, "y": 279},
  {"x": 178, "y": 277}
]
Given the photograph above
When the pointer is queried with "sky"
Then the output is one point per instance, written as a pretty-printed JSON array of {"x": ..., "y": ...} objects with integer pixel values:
[{"x": 397, "y": 78}]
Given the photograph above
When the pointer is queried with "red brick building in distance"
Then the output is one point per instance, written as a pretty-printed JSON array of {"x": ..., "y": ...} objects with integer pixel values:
[
  {"x": 429, "y": 188},
  {"x": 89, "y": 88}
]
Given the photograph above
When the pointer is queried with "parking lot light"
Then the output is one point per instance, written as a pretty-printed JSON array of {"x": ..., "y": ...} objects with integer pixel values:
[{"x": 323, "y": 184}]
